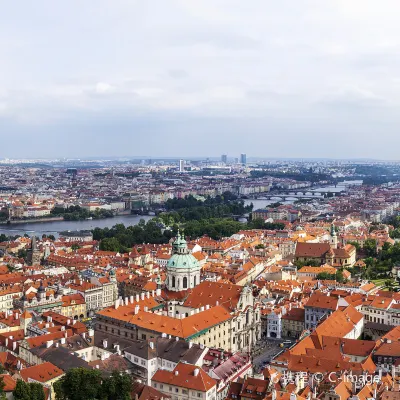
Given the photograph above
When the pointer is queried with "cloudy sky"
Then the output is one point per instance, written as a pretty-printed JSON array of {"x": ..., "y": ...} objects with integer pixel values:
[{"x": 287, "y": 78}]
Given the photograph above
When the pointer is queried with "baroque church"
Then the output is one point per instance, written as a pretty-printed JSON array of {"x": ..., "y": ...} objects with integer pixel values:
[
  {"x": 183, "y": 269},
  {"x": 187, "y": 295}
]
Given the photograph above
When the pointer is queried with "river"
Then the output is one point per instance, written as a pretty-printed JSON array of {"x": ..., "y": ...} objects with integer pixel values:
[
  {"x": 54, "y": 227},
  {"x": 260, "y": 203}
]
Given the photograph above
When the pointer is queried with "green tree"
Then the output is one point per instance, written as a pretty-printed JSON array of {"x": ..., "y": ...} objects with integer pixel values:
[
  {"x": 370, "y": 248},
  {"x": 110, "y": 244},
  {"x": 36, "y": 391},
  {"x": 28, "y": 391},
  {"x": 79, "y": 384},
  {"x": 117, "y": 387},
  {"x": 2, "y": 385},
  {"x": 21, "y": 391},
  {"x": 355, "y": 244},
  {"x": 22, "y": 253}
]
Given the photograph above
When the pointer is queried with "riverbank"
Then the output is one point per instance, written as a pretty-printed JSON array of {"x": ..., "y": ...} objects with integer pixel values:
[
  {"x": 32, "y": 220},
  {"x": 54, "y": 226}
]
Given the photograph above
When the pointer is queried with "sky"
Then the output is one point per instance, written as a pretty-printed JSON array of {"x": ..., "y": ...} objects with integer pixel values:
[{"x": 182, "y": 78}]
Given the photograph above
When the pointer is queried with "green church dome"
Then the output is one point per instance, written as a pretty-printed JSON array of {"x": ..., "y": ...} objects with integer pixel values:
[
  {"x": 182, "y": 261},
  {"x": 181, "y": 258}
]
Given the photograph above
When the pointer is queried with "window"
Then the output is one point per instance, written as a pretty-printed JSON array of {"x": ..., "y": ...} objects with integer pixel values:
[
  {"x": 173, "y": 281},
  {"x": 143, "y": 336},
  {"x": 185, "y": 281},
  {"x": 176, "y": 390}
]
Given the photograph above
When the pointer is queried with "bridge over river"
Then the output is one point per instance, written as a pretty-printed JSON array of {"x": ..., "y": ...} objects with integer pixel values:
[{"x": 294, "y": 195}]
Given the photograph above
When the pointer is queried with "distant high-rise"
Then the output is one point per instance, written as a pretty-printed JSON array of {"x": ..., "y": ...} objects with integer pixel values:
[
  {"x": 243, "y": 159},
  {"x": 224, "y": 158},
  {"x": 181, "y": 165}
]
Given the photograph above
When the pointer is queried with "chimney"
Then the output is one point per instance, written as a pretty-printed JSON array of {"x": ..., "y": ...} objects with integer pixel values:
[
  {"x": 126, "y": 301},
  {"x": 137, "y": 308},
  {"x": 158, "y": 292},
  {"x": 116, "y": 304},
  {"x": 176, "y": 373},
  {"x": 142, "y": 295},
  {"x": 146, "y": 308},
  {"x": 137, "y": 298},
  {"x": 153, "y": 293},
  {"x": 90, "y": 332},
  {"x": 63, "y": 340},
  {"x": 131, "y": 299},
  {"x": 164, "y": 335},
  {"x": 196, "y": 372},
  {"x": 148, "y": 294},
  {"x": 207, "y": 307},
  {"x": 49, "y": 343},
  {"x": 202, "y": 308}
]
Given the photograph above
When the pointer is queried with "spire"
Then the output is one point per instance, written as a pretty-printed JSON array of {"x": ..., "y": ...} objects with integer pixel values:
[{"x": 34, "y": 246}]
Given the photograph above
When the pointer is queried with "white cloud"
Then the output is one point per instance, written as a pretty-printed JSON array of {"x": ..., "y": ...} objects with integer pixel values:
[
  {"x": 103, "y": 87},
  {"x": 217, "y": 59}
]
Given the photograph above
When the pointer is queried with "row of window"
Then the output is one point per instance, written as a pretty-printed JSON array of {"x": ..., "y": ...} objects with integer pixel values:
[{"x": 176, "y": 390}]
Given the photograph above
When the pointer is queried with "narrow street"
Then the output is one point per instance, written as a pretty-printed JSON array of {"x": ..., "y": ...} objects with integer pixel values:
[{"x": 266, "y": 350}]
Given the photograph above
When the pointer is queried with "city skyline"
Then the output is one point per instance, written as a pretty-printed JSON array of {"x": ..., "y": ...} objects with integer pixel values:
[{"x": 186, "y": 77}]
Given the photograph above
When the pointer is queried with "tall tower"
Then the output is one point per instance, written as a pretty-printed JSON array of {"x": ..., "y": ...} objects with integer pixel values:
[
  {"x": 181, "y": 165},
  {"x": 25, "y": 320},
  {"x": 243, "y": 159},
  {"x": 224, "y": 158},
  {"x": 34, "y": 254},
  {"x": 333, "y": 240},
  {"x": 183, "y": 269}
]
